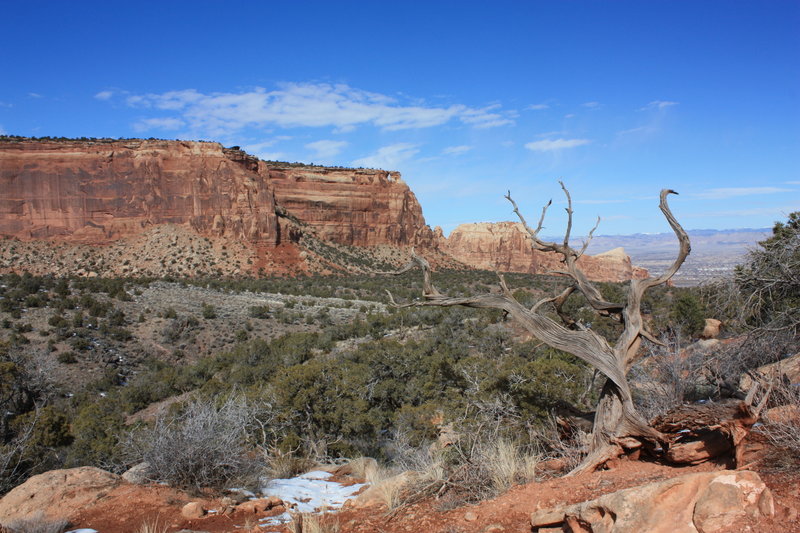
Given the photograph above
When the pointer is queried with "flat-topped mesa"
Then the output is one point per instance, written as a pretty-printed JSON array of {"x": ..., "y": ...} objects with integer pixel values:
[
  {"x": 96, "y": 192},
  {"x": 506, "y": 246},
  {"x": 358, "y": 207},
  {"x": 99, "y": 191}
]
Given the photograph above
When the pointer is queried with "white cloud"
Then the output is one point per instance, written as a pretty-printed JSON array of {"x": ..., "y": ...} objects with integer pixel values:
[
  {"x": 456, "y": 150},
  {"x": 537, "y": 107},
  {"x": 731, "y": 192},
  {"x": 486, "y": 117},
  {"x": 591, "y": 105},
  {"x": 792, "y": 182},
  {"x": 6, "y": 104},
  {"x": 2, "y": 130},
  {"x": 325, "y": 149},
  {"x": 640, "y": 129},
  {"x": 35, "y": 95},
  {"x": 388, "y": 157},
  {"x": 570, "y": 115},
  {"x": 104, "y": 95},
  {"x": 310, "y": 105},
  {"x": 159, "y": 124},
  {"x": 658, "y": 104},
  {"x": 549, "y": 145},
  {"x": 259, "y": 149}
]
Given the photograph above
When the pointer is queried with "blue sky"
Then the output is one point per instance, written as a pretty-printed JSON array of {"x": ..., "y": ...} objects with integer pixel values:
[{"x": 467, "y": 99}]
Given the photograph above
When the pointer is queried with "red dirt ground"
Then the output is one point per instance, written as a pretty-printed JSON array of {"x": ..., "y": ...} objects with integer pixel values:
[{"x": 126, "y": 507}]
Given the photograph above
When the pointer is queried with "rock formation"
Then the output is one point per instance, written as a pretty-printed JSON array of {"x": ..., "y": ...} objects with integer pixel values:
[
  {"x": 704, "y": 502},
  {"x": 117, "y": 192},
  {"x": 505, "y": 246},
  {"x": 57, "y": 492},
  {"x": 98, "y": 192},
  {"x": 357, "y": 207}
]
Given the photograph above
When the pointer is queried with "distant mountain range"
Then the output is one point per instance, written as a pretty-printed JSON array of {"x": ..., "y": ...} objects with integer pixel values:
[{"x": 714, "y": 252}]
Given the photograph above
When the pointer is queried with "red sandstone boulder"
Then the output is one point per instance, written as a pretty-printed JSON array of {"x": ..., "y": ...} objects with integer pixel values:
[
  {"x": 706, "y": 502},
  {"x": 57, "y": 493}
]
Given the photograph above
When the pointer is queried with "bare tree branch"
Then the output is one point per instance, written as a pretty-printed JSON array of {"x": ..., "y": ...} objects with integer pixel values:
[
  {"x": 589, "y": 238},
  {"x": 616, "y": 419}
]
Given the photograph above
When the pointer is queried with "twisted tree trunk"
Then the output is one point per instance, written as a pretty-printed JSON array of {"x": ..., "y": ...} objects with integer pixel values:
[{"x": 617, "y": 424}]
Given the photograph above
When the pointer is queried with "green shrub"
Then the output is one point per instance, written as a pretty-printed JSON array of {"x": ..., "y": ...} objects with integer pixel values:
[{"x": 209, "y": 311}]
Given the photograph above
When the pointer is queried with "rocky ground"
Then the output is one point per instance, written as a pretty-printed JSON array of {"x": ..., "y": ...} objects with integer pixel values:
[{"x": 90, "y": 498}]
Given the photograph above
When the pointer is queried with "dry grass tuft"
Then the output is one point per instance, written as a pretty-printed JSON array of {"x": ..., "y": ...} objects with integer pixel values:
[
  {"x": 153, "y": 525},
  {"x": 313, "y": 523},
  {"x": 388, "y": 483}
]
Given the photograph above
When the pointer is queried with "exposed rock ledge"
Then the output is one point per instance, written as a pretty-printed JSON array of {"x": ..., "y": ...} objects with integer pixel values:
[{"x": 506, "y": 246}]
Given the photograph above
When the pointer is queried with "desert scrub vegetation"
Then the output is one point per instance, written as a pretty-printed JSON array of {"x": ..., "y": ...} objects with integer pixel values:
[
  {"x": 347, "y": 384},
  {"x": 207, "y": 443}
]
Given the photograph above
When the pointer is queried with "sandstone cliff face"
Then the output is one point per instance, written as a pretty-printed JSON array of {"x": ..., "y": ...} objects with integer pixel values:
[
  {"x": 123, "y": 191},
  {"x": 505, "y": 246},
  {"x": 98, "y": 192},
  {"x": 357, "y": 207}
]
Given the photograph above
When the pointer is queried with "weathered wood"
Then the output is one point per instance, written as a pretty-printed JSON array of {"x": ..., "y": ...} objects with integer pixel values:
[
  {"x": 700, "y": 432},
  {"x": 616, "y": 417}
]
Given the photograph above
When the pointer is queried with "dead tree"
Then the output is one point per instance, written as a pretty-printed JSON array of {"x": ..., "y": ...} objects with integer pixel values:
[{"x": 617, "y": 424}]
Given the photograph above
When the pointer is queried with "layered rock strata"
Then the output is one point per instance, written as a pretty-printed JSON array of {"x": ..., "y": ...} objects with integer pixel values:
[
  {"x": 356, "y": 207},
  {"x": 98, "y": 192},
  {"x": 506, "y": 246},
  {"x": 101, "y": 192}
]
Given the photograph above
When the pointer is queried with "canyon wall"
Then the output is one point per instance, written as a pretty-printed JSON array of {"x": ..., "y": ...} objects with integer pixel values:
[
  {"x": 92, "y": 192},
  {"x": 96, "y": 192},
  {"x": 100, "y": 191},
  {"x": 357, "y": 207},
  {"x": 506, "y": 246}
]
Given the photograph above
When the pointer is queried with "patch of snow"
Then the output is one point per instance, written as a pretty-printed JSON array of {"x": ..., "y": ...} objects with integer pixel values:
[
  {"x": 311, "y": 491},
  {"x": 282, "y": 518}
]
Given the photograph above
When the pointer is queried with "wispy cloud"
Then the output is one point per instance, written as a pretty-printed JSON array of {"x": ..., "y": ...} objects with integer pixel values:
[
  {"x": 325, "y": 148},
  {"x": 591, "y": 105},
  {"x": 732, "y": 192},
  {"x": 549, "y": 145},
  {"x": 487, "y": 117},
  {"x": 6, "y": 104},
  {"x": 388, "y": 157},
  {"x": 658, "y": 104},
  {"x": 35, "y": 95},
  {"x": 167, "y": 123},
  {"x": 104, "y": 95},
  {"x": 792, "y": 182},
  {"x": 2, "y": 130},
  {"x": 640, "y": 129},
  {"x": 456, "y": 150},
  {"x": 260, "y": 149},
  {"x": 311, "y": 105},
  {"x": 537, "y": 107}
]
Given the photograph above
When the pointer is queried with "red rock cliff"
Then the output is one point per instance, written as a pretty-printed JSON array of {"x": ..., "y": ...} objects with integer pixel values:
[
  {"x": 505, "y": 246},
  {"x": 359, "y": 207},
  {"x": 100, "y": 191}
]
